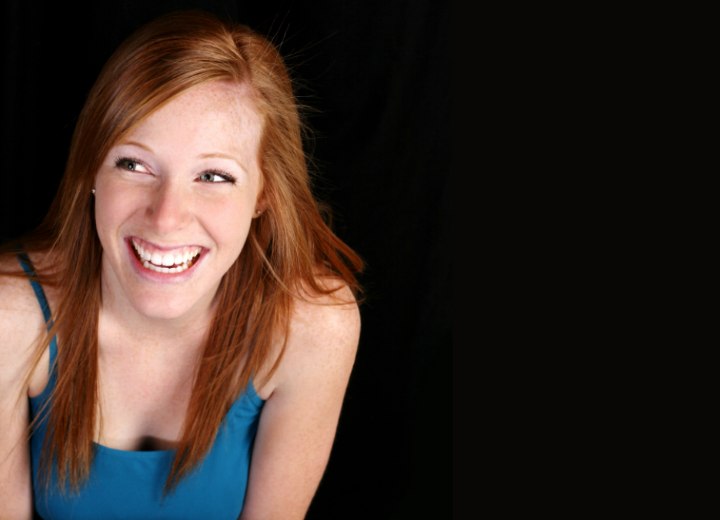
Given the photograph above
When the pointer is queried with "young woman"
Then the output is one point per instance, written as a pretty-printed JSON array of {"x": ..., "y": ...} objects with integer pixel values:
[{"x": 177, "y": 336}]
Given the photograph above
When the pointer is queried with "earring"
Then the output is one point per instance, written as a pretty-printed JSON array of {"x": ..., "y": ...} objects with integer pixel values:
[
  {"x": 92, "y": 191},
  {"x": 257, "y": 212}
]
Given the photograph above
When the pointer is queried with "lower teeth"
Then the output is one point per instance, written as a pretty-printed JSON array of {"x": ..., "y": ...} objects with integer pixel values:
[{"x": 158, "y": 269}]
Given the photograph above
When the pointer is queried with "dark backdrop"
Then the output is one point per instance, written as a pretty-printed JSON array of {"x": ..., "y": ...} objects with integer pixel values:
[{"x": 376, "y": 74}]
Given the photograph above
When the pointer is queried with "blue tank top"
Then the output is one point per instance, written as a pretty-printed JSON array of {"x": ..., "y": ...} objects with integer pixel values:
[{"x": 129, "y": 484}]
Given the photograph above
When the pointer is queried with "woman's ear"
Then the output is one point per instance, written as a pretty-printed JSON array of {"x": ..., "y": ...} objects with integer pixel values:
[
  {"x": 261, "y": 199},
  {"x": 260, "y": 206}
]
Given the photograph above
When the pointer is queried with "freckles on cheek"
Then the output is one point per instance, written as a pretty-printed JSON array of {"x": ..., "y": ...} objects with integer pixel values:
[
  {"x": 102, "y": 221},
  {"x": 229, "y": 224},
  {"x": 110, "y": 211}
]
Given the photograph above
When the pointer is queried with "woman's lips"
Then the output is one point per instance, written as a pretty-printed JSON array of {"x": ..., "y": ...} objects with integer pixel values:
[{"x": 164, "y": 260}]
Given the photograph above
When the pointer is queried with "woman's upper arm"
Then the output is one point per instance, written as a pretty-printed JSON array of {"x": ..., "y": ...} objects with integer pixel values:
[
  {"x": 299, "y": 419},
  {"x": 18, "y": 332}
]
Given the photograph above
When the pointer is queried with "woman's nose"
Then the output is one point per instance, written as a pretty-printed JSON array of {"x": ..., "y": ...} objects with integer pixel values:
[{"x": 169, "y": 208}]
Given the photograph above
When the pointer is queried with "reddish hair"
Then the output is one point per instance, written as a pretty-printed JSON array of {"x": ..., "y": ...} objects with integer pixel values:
[{"x": 288, "y": 245}]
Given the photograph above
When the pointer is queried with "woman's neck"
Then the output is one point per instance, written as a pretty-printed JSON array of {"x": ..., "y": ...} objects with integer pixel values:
[{"x": 120, "y": 323}]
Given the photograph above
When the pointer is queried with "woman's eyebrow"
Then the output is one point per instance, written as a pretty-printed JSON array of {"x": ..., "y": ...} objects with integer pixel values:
[
  {"x": 222, "y": 155},
  {"x": 135, "y": 143}
]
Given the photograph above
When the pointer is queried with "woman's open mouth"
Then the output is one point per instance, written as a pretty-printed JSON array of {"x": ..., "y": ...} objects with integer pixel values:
[{"x": 170, "y": 261}]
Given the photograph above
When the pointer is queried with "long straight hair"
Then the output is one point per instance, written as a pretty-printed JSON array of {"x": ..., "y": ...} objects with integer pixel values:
[{"x": 286, "y": 248}]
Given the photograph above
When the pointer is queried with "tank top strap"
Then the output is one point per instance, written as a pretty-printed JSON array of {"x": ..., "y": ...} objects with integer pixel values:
[{"x": 27, "y": 266}]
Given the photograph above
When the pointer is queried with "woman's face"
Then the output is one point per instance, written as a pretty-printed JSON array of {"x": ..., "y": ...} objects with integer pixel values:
[{"x": 174, "y": 201}]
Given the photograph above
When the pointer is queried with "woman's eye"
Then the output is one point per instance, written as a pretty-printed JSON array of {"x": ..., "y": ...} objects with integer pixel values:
[
  {"x": 215, "y": 177},
  {"x": 130, "y": 165}
]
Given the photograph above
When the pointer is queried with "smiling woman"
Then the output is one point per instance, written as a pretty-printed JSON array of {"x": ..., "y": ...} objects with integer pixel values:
[
  {"x": 177, "y": 336},
  {"x": 168, "y": 191}
]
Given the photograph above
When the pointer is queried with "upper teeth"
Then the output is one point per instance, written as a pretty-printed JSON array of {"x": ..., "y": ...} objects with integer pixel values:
[{"x": 178, "y": 256}]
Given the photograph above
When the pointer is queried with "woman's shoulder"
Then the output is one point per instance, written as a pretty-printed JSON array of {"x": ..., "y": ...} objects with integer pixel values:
[
  {"x": 332, "y": 313},
  {"x": 322, "y": 337},
  {"x": 21, "y": 319},
  {"x": 17, "y": 295},
  {"x": 17, "y": 298}
]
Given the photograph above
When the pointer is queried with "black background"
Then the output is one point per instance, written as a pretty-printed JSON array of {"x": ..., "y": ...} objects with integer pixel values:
[{"x": 375, "y": 75}]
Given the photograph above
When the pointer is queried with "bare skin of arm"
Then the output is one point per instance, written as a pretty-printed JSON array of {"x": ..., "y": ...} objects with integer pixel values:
[
  {"x": 304, "y": 399},
  {"x": 20, "y": 327}
]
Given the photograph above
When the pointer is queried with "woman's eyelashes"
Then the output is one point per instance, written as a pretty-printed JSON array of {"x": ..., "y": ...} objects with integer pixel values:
[
  {"x": 208, "y": 176},
  {"x": 215, "y": 176},
  {"x": 130, "y": 164}
]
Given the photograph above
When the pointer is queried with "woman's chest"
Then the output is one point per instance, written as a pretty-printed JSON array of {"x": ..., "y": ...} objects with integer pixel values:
[{"x": 142, "y": 403}]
